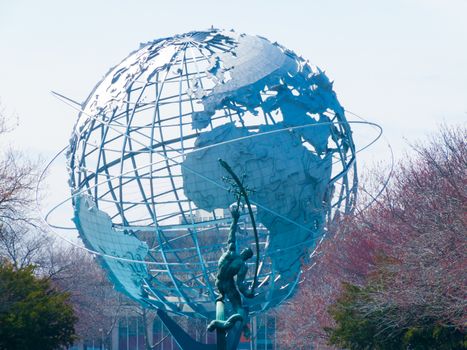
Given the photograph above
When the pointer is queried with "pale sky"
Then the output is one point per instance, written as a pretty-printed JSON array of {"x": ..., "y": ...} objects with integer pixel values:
[{"x": 401, "y": 64}]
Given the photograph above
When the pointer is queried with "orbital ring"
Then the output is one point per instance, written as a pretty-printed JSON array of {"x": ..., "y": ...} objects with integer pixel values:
[
  {"x": 196, "y": 173},
  {"x": 46, "y": 220}
]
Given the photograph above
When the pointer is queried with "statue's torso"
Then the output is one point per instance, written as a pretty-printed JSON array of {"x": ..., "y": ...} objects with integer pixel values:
[{"x": 229, "y": 265}]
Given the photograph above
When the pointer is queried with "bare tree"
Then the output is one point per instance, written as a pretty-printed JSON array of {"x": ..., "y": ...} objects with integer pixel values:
[
  {"x": 97, "y": 305},
  {"x": 22, "y": 240}
]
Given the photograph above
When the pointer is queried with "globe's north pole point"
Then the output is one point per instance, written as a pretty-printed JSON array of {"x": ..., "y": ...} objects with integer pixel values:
[{"x": 148, "y": 192}]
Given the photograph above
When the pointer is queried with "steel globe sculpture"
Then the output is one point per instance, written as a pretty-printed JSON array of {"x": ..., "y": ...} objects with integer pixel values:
[{"x": 150, "y": 196}]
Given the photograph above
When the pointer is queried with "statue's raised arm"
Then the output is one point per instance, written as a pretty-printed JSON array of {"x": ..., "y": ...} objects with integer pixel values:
[{"x": 232, "y": 239}]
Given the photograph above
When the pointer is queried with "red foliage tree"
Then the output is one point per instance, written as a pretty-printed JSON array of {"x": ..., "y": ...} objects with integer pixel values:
[{"x": 419, "y": 225}]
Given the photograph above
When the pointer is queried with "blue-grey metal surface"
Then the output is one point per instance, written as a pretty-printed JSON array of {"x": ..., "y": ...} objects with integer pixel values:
[{"x": 143, "y": 157}]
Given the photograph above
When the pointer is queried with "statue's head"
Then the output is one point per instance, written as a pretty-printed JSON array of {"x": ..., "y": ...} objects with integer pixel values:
[{"x": 246, "y": 254}]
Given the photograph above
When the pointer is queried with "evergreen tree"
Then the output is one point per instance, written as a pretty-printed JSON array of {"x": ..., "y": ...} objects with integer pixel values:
[
  {"x": 359, "y": 325},
  {"x": 33, "y": 315}
]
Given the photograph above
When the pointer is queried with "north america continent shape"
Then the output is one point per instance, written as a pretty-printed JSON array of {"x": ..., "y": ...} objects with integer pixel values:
[{"x": 289, "y": 186}]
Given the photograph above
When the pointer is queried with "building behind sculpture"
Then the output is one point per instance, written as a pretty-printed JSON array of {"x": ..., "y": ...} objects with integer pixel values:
[{"x": 128, "y": 334}]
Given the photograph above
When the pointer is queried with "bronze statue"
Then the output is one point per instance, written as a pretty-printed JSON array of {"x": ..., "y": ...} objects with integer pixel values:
[
  {"x": 232, "y": 264},
  {"x": 232, "y": 267}
]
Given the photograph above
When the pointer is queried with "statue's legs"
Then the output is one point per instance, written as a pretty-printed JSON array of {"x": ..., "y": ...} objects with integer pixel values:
[{"x": 235, "y": 299}]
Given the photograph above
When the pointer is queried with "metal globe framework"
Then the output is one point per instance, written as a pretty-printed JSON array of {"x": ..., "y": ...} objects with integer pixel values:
[{"x": 149, "y": 195}]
